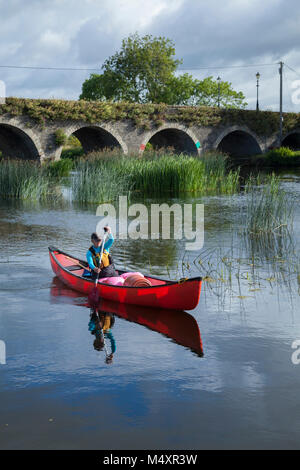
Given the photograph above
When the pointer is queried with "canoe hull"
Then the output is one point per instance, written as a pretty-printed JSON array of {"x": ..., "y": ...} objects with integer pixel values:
[
  {"x": 178, "y": 325},
  {"x": 163, "y": 294}
]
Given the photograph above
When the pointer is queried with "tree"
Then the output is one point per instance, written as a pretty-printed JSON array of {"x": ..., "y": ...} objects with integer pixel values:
[
  {"x": 138, "y": 73},
  {"x": 93, "y": 88},
  {"x": 179, "y": 90},
  {"x": 207, "y": 93},
  {"x": 185, "y": 90},
  {"x": 143, "y": 71}
]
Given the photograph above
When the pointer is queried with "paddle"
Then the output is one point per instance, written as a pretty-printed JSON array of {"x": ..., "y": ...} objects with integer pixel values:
[
  {"x": 94, "y": 294},
  {"x": 78, "y": 263}
]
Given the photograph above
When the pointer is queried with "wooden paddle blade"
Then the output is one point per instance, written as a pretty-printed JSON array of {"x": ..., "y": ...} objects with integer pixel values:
[{"x": 94, "y": 297}]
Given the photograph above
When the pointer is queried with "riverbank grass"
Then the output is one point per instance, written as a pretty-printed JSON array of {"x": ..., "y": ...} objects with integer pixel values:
[
  {"x": 24, "y": 180},
  {"x": 154, "y": 175}
]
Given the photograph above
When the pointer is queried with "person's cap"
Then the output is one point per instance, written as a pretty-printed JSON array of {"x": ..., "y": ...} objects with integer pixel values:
[{"x": 95, "y": 237}]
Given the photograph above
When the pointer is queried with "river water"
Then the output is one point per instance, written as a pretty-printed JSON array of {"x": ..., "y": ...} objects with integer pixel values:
[{"x": 241, "y": 390}]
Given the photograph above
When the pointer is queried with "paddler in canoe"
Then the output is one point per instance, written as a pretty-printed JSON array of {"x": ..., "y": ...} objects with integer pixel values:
[
  {"x": 102, "y": 268},
  {"x": 106, "y": 268}
]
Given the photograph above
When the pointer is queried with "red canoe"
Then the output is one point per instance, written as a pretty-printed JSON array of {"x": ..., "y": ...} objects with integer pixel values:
[
  {"x": 180, "y": 295},
  {"x": 178, "y": 325}
]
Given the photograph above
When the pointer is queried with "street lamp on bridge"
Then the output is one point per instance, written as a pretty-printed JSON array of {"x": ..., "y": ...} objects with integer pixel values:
[
  {"x": 219, "y": 80},
  {"x": 257, "y": 85}
]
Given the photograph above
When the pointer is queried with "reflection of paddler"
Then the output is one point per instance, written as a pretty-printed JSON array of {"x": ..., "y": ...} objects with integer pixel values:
[{"x": 100, "y": 325}]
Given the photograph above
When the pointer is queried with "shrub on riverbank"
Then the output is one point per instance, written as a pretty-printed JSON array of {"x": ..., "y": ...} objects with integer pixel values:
[
  {"x": 282, "y": 156},
  {"x": 72, "y": 149},
  {"x": 60, "y": 168},
  {"x": 72, "y": 153}
]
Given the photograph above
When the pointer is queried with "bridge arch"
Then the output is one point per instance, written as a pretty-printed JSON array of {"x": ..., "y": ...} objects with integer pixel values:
[
  {"x": 18, "y": 142},
  {"x": 238, "y": 142},
  {"x": 95, "y": 137},
  {"x": 292, "y": 140},
  {"x": 182, "y": 140}
]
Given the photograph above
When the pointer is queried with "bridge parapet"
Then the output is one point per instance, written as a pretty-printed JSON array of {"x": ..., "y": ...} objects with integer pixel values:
[{"x": 28, "y": 128}]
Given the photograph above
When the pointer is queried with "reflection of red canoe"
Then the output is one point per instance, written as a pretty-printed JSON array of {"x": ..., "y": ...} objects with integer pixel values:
[
  {"x": 177, "y": 325},
  {"x": 181, "y": 295}
]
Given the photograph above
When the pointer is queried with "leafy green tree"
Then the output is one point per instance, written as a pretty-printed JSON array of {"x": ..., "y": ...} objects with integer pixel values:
[
  {"x": 179, "y": 90},
  {"x": 185, "y": 90},
  {"x": 93, "y": 89},
  {"x": 143, "y": 71},
  {"x": 138, "y": 73},
  {"x": 207, "y": 93}
]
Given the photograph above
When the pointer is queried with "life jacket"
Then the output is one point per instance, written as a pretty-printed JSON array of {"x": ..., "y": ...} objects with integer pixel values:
[
  {"x": 106, "y": 259},
  {"x": 108, "y": 322}
]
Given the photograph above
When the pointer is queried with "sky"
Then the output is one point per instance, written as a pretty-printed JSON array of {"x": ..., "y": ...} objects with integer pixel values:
[{"x": 233, "y": 39}]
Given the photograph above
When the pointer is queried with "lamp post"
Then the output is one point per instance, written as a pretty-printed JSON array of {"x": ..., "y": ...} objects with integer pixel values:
[
  {"x": 219, "y": 80},
  {"x": 280, "y": 111},
  {"x": 257, "y": 85}
]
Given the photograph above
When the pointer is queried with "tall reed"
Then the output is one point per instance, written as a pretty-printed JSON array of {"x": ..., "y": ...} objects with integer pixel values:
[
  {"x": 23, "y": 180},
  {"x": 96, "y": 183},
  {"x": 173, "y": 174},
  {"x": 268, "y": 208}
]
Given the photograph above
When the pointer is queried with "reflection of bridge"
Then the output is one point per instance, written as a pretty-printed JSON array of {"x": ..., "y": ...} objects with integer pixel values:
[{"x": 22, "y": 137}]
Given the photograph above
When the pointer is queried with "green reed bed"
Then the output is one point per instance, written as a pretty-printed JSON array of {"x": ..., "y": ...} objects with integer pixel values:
[
  {"x": 24, "y": 180},
  {"x": 174, "y": 174},
  {"x": 94, "y": 183},
  {"x": 269, "y": 209},
  {"x": 178, "y": 174}
]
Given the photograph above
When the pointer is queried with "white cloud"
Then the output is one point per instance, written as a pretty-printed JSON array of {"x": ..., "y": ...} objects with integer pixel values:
[{"x": 54, "y": 39}]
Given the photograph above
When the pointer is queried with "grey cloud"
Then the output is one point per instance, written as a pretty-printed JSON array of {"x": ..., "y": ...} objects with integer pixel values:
[
  {"x": 83, "y": 33},
  {"x": 96, "y": 41},
  {"x": 214, "y": 32}
]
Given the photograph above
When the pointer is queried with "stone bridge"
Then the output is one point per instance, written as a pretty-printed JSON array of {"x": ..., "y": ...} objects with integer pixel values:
[{"x": 21, "y": 136}]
